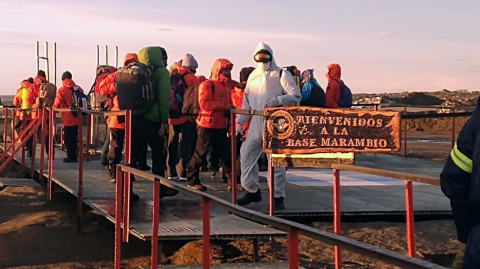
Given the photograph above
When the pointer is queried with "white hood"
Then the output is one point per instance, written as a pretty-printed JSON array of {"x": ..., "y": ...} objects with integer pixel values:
[{"x": 260, "y": 66}]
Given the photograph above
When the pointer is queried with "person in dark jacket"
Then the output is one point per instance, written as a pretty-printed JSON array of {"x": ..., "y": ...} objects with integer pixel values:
[{"x": 455, "y": 179}]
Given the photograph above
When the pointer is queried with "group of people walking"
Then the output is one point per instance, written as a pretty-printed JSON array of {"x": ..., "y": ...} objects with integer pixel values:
[{"x": 182, "y": 116}]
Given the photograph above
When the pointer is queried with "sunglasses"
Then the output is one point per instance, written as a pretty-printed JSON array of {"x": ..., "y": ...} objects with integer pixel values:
[{"x": 262, "y": 58}]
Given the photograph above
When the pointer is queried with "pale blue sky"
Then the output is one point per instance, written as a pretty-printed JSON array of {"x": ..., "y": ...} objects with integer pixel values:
[{"x": 382, "y": 45}]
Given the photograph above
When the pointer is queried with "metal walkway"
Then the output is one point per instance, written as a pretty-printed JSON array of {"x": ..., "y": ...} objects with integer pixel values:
[{"x": 180, "y": 216}]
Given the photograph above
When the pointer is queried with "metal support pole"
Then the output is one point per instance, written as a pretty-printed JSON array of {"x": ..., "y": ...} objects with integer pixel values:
[
  {"x": 97, "y": 55},
  {"x": 33, "y": 150},
  {"x": 255, "y": 250},
  {"x": 55, "y": 63},
  {"x": 106, "y": 54},
  {"x": 155, "y": 220},
  {"x": 293, "y": 248},
  {"x": 116, "y": 56},
  {"x": 50, "y": 155},
  {"x": 89, "y": 126},
  {"x": 453, "y": 131},
  {"x": 47, "y": 66},
  {"x": 118, "y": 218},
  {"x": 233, "y": 151},
  {"x": 410, "y": 218},
  {"x": 206, "y": 232},
  {"x": 126, "y": 206},
  {"x": 271, "y": 187},
  {"x": 405, "y": 134},
  {"x": 23, "y": 148},
  {"x": 5, "y": 129},
  {"x": 42, "y": 146},
  {"x": 80, "y": 171},
  {"x": 336, "y": 215},
  {"x": 37, "y": 53}
]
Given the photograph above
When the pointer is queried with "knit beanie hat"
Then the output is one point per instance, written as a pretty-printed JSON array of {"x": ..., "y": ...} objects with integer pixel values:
[
  {"x": 189, "y": 61},
  {"x": 245, "y": 73}
]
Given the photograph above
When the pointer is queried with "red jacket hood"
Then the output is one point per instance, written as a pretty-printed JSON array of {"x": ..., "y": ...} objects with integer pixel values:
[
  {"x": 218, "y": 67},
  {"x": 334, "y": 71},
  {"x": 68, "y": 83},
  {"x": 39, "y": 79},
  {"x": 130, "y": 58}
]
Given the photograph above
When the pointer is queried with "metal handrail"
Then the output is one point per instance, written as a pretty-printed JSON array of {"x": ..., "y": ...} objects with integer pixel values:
[{"x": 291, "y": 227}]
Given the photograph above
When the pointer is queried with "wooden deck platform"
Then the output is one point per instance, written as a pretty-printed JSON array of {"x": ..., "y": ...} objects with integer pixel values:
[
  {"x": 309, "y": 193},
  {"x": 180, "y": 216}
]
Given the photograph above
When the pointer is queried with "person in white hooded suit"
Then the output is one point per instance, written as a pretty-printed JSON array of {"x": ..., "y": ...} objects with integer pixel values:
[{"x": 267, "y": 86}]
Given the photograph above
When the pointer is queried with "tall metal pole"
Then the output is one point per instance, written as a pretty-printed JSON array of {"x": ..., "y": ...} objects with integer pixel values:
[
  {"x": 106, "y": 54},
  {"x": 37, "y": 55},
  {"x": 97, "y": 53},
  {"x": 55, "y": 63},
  {"x": 47, "y": 66},
  {"x": 116, "y": 56}
]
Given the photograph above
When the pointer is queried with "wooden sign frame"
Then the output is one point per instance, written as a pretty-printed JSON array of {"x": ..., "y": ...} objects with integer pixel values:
[{"x": 309, "y": 130}]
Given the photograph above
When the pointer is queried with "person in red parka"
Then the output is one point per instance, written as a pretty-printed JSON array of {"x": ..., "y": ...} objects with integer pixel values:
[
  {"x": 116, "y": 127},
  {"x": 69, "y": 121},
  {"x": 214, "y": 102}
]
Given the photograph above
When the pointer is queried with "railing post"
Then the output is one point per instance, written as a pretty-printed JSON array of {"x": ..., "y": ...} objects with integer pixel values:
[
  {"x": 155, "y": 220},
  {"x": 405, "y": 133},
  {"x": 452, "y": 140},
  {"x": 271, "y": 187},
  {"x": 14, "y": 132},
  {"x": 126, "y": 206},
  {"x": 23, "y": 148},
  {"x": 410, "y": 218},
  {"x": 80, "y": 171},
  {"x": 118, "y": 218},
  {"x": 33, "y": 149},
  {"x": 336, "y": 215},
  {"x": 293, "y": 248},
  {"x": 5, "y": 130},
  {"x": 42, "y": 147},
  {"x": 233, "y": 151},
  {"x": 127, "y": 182},
  {"x": 89, "y": 126},
  {"x": 206, "y": 232},
  {"x": 51, "y": 150}
]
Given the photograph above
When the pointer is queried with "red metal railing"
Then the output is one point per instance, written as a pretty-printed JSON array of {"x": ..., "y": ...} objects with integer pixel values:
[
  {"x": 28, "y": 132},
  {"x": 292, "y": 228},
  {"x": 409, "y": 210},
  {"x": 82, "y": 153}
]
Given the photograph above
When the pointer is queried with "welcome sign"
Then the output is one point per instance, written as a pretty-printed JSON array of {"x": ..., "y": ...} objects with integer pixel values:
[{"x": 302, "y": 130}]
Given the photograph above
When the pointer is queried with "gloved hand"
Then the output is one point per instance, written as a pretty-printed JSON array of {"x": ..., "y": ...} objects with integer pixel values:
[
  {"x": 239, "y": 136},
  {"x": 272, "y": 102},
  {"x": 178, "y": 98}
]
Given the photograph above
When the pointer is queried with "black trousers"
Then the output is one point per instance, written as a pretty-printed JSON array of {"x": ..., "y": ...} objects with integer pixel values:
[
  {"x": 106, "y": 145},
  {"x": 115, "y": 150},
  {"x": 29, "y": 143},
  {"x": 145, "y": 131},
  {"x": 142, "y": 158},
  {"x": 70, "y": 136},
  {"x": 187, "y": 142},
  {"x": 204, "y": 140},
  {"x": 47, "y": 140},
  {"x": 174, "y": 136}
]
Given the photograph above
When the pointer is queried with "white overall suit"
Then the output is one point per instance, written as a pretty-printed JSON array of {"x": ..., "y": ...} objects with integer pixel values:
[{"x": 264, "y": 88}]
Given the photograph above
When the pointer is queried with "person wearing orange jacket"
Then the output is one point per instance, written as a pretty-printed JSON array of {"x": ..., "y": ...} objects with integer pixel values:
[
  {"x": 214, "y": 102},
  {"x": 333, "y": 88},
  {"x": 34, "y": 100},
  {"x": 69, "y": 121},
  {"x": 181, "y": 136},
  {"x": 116, "y": 127}
]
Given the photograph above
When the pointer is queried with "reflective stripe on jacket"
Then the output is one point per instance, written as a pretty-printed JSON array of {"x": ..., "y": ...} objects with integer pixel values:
[{"x": 460, "y": 160}]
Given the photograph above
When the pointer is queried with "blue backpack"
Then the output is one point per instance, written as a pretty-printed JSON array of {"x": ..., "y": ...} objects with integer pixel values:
[
  {"x": 346, "y": 97},
  {"x": 78, "y": 100}
]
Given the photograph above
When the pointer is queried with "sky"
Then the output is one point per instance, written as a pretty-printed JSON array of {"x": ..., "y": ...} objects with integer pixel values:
[{"x": 382, "y": 46}]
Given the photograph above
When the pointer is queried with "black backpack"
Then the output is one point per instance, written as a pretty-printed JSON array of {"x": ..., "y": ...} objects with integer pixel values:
[
  {"x": 78, "y": 100},
  {"x": 190, "y": 106},
  {"x": 135, "y": 88},
  {"x": 317, "y": 97}
]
